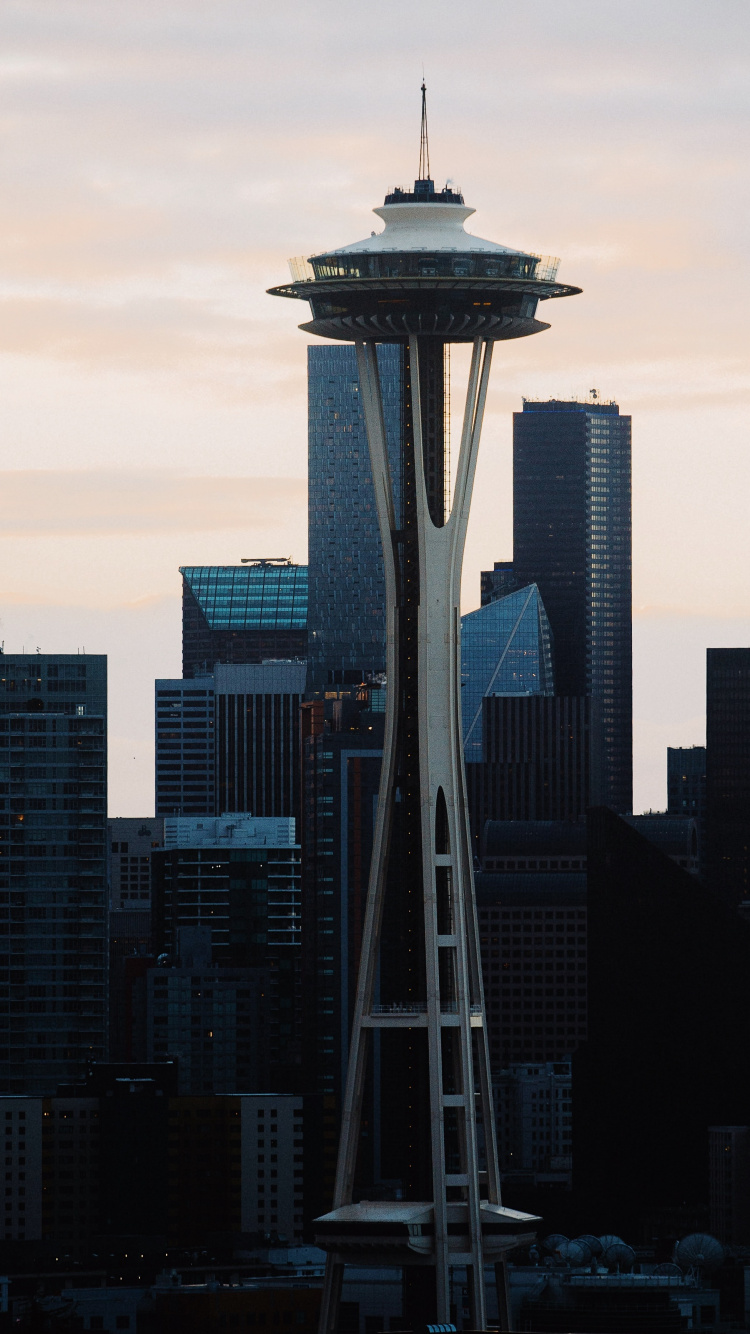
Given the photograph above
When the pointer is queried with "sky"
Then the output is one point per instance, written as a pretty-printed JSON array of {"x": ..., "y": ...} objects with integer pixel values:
[{"x": 161, "y": 161}]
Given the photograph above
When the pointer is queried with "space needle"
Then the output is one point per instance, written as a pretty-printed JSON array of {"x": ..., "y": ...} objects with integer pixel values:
[{"x": 423, "y": 283}]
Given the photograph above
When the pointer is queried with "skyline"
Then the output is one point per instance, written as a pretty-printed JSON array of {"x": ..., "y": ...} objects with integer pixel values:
[{"x": 161, "y": 167}]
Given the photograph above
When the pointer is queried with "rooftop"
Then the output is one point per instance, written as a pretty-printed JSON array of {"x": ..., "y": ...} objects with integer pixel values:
[{"x": 261, "y": 595}]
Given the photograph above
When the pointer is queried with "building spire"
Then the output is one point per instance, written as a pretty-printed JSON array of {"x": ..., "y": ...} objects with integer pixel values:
[{"x": 424, "y": 147}]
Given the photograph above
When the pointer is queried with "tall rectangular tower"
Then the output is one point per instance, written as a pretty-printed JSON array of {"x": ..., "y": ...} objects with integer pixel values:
[
  {"x": 185, "y": 761},
  {"x": 728, "y": 772},
  {"x": 257, "y": 737},
  {"x": 53, "y": 867},
  {"x": 572, "y": 537},
  {"x": 346, "y": 615}
]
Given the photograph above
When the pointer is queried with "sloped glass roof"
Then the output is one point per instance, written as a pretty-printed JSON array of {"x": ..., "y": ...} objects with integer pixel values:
[
  {"x": 250, "y": 597},
  {"x": 505, "y": 650}
]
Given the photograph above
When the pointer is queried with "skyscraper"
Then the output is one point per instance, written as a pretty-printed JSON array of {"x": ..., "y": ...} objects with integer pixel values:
[
  {"x": 686, "y": 782},
  {"x": 184, "y": 750},
  {"x": 240, "y": 878},
  {"x": 53, "y": 867},
  {"x": 572, "y": 536},
  {"x": 346, "y": 580},
  {"x": 257, "y": 737},
  {"x": 728, "y": 772},
  {"x": 542, "y": 760},
  {"x": 505, "y": 650},
  {"x": 242, "y": 613}
]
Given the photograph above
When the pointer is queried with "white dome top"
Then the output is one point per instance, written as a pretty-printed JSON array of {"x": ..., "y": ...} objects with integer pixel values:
[{"x": 425, "y": 226}]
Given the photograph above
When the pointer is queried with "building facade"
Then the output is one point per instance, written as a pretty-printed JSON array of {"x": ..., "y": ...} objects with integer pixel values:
[
  {"x": 127, "y": 1158},
  {"x": 505, "y": 650},
  {"x": 572, "y": 537},
  {"x": 185, "y": 747},
  {"x": 668, "y": 962},
  {"x": 497, "y": 582},
  {"x": 535, "y": 1121},
  {"x": 239, "y": 879},
  {"x": 346, "y": 582},
  {"x": 728, "y": 772},
  {"x": 533, "y": 934},
  {"x": 214, "y": 1021},
  {"x": 53, "y": 867},
  {"x": 242, "y": 613},
  {"x": 131, "y": 841},
  {"x": 542, "y": 760},
  {"x": 729, "y": 1184},
  {"x": 341, "y": 767},
  {"x": 257, "y": 712}
]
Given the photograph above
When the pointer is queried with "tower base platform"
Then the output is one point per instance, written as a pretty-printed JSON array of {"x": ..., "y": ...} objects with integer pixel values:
[{"x": 402, "y": 1232}]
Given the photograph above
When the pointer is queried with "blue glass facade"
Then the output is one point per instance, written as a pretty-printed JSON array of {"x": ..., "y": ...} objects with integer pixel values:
[
  {"x": 347, "y": 595},
  {"x": 505, "y": 650},
  {"x": 250, "y": 597},
  {"x": 242, "y": 613}
]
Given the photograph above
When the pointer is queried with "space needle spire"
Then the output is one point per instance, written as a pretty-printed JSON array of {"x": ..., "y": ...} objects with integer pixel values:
[
  {"x": 424, "y": 144},
  {"x": 419, "y": 1052}
]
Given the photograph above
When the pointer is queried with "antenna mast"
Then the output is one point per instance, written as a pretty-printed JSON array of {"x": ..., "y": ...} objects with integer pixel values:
[{"x": 424, "y": 147}]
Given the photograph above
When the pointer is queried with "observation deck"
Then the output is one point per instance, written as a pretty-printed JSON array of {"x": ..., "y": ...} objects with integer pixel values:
[{"x": 424, "y": 274}]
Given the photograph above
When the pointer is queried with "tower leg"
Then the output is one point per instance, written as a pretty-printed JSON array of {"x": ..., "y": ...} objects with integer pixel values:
[
  {"x": 331, "y": 1299},
  {"x": 503, "y": 1296}
]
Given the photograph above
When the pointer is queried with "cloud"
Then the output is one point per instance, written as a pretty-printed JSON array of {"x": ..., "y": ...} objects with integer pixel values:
[{"x": 108, "y": 503}]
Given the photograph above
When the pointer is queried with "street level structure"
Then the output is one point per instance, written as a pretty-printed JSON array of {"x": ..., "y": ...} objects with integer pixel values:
[{"x": 421, "y": 284}]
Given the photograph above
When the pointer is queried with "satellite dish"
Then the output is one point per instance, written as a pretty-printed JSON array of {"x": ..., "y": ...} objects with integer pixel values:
[
  {"x": 609, "y": 1239},
  {"x": 594, "y": 1244},
  {"x": 699, "y": 1251},
  {"x": 619, "y": 1257},
  {"x": 668, "y": 1270},
  {"x": 575, "y": 1253},
  {"x": 553, "y": 1242}
]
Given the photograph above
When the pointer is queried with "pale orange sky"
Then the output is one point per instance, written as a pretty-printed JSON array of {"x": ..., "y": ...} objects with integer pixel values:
[{"x": 161, "y": 161}]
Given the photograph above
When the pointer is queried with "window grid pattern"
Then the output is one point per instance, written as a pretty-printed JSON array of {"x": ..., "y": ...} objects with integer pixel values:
[
  {"x": 505, "y": 650},
  {"x": 250, "y": 597}
]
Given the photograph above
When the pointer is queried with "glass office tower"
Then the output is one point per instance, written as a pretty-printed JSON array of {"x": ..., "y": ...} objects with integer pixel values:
[
  {"x": 572, "y": 537},
  {"x": 346, "y": 582},
  {"x": 242, "y": 613},
  {"x": 505, "y": 650},
  {"x": 53, "y": 873}
]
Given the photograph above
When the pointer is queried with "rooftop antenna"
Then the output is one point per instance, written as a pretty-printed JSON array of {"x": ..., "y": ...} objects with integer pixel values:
[{"x": 424, "y": 147}]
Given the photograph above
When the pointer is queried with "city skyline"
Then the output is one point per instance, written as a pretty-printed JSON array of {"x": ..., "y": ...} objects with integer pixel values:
[{"x": 145, "y": 418}]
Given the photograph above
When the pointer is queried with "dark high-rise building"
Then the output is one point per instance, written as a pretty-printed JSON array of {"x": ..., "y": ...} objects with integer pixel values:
[
  {"x": 239, "y": 878},
  {"x": 131, "y": 842},
  {"x": 497, "y": 582},
  {"x": 542, "y": 760},
  {"x": 53, "y": 867},
  {"x": 686, "y": 781},
  {"x": 347, "y": 584},
  {"x": 341, "y": 768},
  {"x": 668, "y": 1052},
  {"x": 728, "y": 772},
  {"x": 242, "y": 613},
  {"x": 572, "y": 537},
  {"x": 212, "y": 1021},
  {"x": 532, "y": 907},
  {"x": 258, "y": 737},
  {"x": 184, "y": 751}
]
